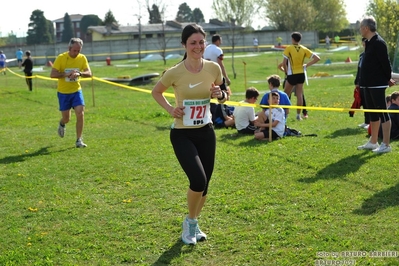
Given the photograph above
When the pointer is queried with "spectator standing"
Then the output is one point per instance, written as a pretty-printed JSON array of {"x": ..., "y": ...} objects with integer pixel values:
[
  {"x": 28, "y": 66},
  {"x": 256, "y": 45},
  {"x": 214, "y": 53},
  {"x": 19, "y": 54},
  {"x": 361, "y": 91},
  {"x": 304, "y": 111},
  {"x": 3, "y": 62},
  {"x": 327, "y": 39},
  {"x": 279, "y": 41},
  {"x": 375, "y": 77},
  {"x": 336, "y": 40},
  {"x": 294, "y": 56}
]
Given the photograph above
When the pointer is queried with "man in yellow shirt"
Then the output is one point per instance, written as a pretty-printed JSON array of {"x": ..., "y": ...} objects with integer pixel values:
[{"x": 68, "y": 67}]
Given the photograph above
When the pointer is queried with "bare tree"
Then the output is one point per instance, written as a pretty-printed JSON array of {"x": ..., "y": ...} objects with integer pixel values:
[
  {"x": 236, "y": 13},
  {"x": 160, "y": 6},
  {"x": 161, "y": 36},
  {"x": 241, "y": 10},
  {"x": 163, "y": 42},
  {"x": 139, "y": 19}
]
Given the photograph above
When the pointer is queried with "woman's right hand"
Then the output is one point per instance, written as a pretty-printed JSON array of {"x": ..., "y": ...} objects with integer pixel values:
[{"x": 176, "y": 112}]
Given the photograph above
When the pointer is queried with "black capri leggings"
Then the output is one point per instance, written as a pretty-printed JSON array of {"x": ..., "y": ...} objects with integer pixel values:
[
  {"x": 195, "y": 149},
  {"x": 375, "y": 99}
]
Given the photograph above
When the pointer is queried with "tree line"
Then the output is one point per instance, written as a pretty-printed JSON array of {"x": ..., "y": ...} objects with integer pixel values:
[
  {"x": 325, "y": 16},
  {"x": 41, "y": 29}
]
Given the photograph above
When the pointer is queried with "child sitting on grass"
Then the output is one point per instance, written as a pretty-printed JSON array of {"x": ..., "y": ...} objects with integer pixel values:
[
  {"x": 278, "y": 120},
  {"x": 244, "y": 116}
]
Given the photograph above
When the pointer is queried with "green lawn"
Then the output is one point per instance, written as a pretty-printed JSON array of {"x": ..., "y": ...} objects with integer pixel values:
[{"x": 121, "y": 200}]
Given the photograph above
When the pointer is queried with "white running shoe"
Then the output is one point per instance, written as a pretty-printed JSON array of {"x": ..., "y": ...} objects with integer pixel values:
[
  {"x": 200, "y": 236},
  {"x": 61, "y": 130},
  {"x": 298, "y": 117},
  {"x": 80, "y": 144},
  {"x": 369, "y": 146},
  {"x": 382, "y": 149},
  {"x": 188, "y": 235}
]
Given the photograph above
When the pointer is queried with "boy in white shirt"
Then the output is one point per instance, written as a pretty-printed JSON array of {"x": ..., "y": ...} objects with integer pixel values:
[
  {"x": 244, "y": 116},
  {"x": 277, "y": 123}
]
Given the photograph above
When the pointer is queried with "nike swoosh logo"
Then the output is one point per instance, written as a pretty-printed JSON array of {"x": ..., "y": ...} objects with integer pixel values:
[{"x": 194, "y": 85}]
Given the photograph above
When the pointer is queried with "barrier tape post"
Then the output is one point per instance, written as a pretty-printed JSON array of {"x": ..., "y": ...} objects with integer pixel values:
[
  {"x": 245, "y": 74},
  {"x": 270, "y": 118},
  {"x": 92, "y": 92}
]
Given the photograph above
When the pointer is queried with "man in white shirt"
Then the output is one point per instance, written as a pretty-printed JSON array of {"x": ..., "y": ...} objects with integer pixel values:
[{"x": 214, "y": 53}]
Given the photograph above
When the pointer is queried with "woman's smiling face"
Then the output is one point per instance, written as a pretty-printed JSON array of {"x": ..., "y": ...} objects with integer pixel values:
[{"x": 195, "y": 45}]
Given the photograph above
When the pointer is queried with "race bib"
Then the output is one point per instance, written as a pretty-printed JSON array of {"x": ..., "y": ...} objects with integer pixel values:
[
  {"x": 67, "y": 79},
  {"x": 196, "y": 112}
]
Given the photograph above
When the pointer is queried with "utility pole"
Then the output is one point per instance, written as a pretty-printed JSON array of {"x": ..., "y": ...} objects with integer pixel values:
[
  {"x": 139, "y": 18},
  {"x": 139, "y": 38}
]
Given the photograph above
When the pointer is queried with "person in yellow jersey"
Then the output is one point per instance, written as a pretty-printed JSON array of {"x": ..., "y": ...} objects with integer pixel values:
[
  {"x": 294, "y": 59},
  {"x": 194, "y": 81},
  {"x": 68, "y": 68}
]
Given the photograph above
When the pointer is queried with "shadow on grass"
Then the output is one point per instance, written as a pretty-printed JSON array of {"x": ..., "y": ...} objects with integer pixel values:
[
  {"x": 379, "y": 201},
  {"x": 345, "y": 132},
  {"x": 23, "y": 157},
  {"x": 173, "y": 252},
  {"x": 163, "y": 128},
  {"x": 249, "y": 142},
  {"x": 339, "y": 169},
  {"x": 8, "y": 92},
  {"x": 232, "y": 135},
  {"x": 21, "y": 96}
]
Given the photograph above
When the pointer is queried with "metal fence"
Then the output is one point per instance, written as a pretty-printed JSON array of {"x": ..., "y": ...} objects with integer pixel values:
[{"x": 133, "y": 49}]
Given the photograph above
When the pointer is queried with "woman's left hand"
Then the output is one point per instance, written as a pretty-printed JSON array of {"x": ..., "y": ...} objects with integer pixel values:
[{"x": 216, "y": 92}]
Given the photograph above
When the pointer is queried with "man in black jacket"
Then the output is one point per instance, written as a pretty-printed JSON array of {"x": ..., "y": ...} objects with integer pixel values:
[
  {"x": 28, "y": 66},
  {"x": 375, "y": 77}
]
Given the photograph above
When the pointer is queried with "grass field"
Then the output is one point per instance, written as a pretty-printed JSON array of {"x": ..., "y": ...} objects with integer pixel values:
[{"x": 121, "y": 200}]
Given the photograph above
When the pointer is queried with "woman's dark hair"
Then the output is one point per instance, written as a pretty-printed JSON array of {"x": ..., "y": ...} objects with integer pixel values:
[{"x": 189, "y": 30}]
